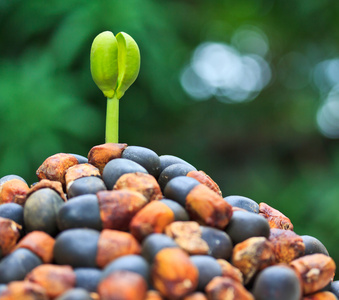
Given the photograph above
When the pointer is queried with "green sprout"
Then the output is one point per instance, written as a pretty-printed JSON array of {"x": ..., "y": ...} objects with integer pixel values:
[{"x": 115, "y": 64}]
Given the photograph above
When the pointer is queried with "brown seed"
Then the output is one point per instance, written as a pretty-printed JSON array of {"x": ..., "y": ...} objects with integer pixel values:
[
  {"x": 227, "y": 288},
  {"x": 14, "y": 190},
  {"x": 287, "y": 245},
  {"x": 55, "y": 167},
  {"x": 274, "y": 217},
  {"x": 117, "y": 208},
  {"x": 9, "y": 235},
  {"x": 113, "y": 244},
  {"x": 315, "y": 271},
  {"x": 196, "y": 296},
  {"x": 321, "y": 296},
  {"x": 183, "y": 229},
  {"x": 46, "y": 183},
  {"x": 78, "y": 171},
  {"x": 100, "y": 155},
  {"x": 40, "y": 243},
  {"x": 152, "y": 218},
  {"x": 228, "y": 270},
  {"x": 203, "y": 178},
  {"x": 253, "y": 255},
  {"x": 24, "y": 290},
  {"x": 208, "y": 208},
  {"x": 188, "y": 237},
  {"x": 143, "y": 183},
  {"x": 173, "y": 274},
  {"x": 55, "y": 279},
  {"x": 153, "y": 295},
  {"x": 123, "y": 285}
]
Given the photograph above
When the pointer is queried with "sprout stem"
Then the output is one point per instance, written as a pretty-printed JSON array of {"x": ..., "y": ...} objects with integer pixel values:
[{"x": 112, "y": 120}]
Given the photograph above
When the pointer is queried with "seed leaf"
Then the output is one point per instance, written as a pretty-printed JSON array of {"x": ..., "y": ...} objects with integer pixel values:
[
  {"x": 104, "y": 62},
  {"x": 129, "y": 62}
]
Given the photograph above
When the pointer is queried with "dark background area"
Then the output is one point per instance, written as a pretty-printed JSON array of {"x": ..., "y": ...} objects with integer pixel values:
[{"x": 245, "y": 90}]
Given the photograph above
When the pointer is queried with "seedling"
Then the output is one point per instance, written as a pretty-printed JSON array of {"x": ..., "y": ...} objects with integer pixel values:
[{"x": 115, "y": 64}]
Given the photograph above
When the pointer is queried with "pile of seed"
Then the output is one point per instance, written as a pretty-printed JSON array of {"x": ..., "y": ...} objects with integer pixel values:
[{"x": 125, "y": 223}]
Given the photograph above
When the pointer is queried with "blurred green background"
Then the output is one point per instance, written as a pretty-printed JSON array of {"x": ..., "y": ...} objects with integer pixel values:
[{"x": 245, "y": 90}]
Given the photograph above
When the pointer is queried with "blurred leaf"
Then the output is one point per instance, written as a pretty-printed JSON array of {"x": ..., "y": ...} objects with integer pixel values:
[{"x": 37, "y": 110}]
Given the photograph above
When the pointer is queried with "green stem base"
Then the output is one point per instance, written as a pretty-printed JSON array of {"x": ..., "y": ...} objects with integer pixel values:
[{"x": 112, "y": 120}]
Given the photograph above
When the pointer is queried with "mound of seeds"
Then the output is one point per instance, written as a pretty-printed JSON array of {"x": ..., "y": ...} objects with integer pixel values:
[{"x": 125, "y": 223}]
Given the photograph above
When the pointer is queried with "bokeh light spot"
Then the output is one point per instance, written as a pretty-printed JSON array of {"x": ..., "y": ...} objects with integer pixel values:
[
  {"x": 326, "y": 75},
  {"x": 220, "y": 70},
  {"x": 328, "y": 115},
  {"x": 250, "y": 39}
]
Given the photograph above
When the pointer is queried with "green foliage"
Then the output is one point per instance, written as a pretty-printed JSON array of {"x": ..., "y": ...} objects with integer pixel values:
[
  {"x": 268, "y": 149},
  {"x": 41, "y": 113}
]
